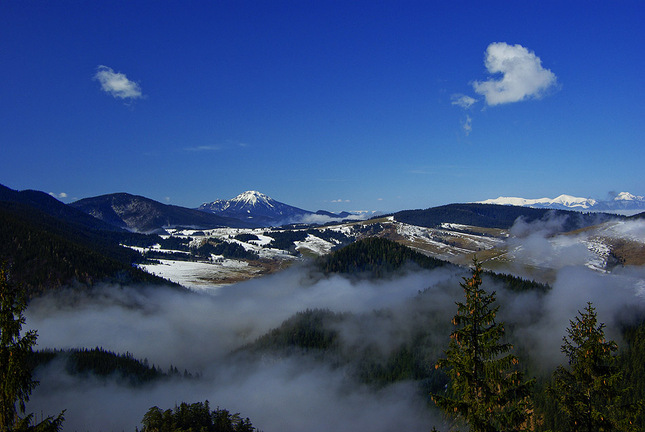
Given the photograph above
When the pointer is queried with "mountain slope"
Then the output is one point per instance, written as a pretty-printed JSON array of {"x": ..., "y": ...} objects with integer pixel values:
[
  {"x": 495, "y": 216},
  {"x": 44, "y": 252},
  {"x": 258, "y": 208},
  {"x": 140, "y": 214},
  {"x": 52, "y": 207}
]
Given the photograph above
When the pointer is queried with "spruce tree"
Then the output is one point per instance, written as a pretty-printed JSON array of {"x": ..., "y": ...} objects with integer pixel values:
[
  {"x": 16, "y": 382},
  {"x": 590, "y": 392},
  {"x": 486, "y": 390},
  {"x": 15, "y": 377}
]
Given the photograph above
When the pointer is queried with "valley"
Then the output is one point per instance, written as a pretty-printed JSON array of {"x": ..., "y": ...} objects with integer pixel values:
[
  {"x": 536, "y": 256},
  {"x": 139, "y": 304}
]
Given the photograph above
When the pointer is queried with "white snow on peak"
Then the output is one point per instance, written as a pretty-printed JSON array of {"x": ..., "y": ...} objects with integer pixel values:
[
  {"x": 571, "y": 201},
  {"x": 626, "y": 196},
  {"x": 252, "y": 198},
  {"x": 565, "y": 200},
  {"x": 622, "y": 203}
]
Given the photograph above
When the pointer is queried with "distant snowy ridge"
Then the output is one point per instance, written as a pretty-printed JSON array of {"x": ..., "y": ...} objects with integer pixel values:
[{"x": 623, "y": 201}]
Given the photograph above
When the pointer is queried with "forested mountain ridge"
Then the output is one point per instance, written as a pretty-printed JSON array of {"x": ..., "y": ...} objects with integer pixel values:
[
  {"x": 452, "y": 233},
  {"x": 375, "y": 256},
  {"x": 49, "y": 205},
  {"x": 140, "y": 214},
  {"x": 102, "y": 363},
  {"x": 44, "y": 252},
  {"x": 496, "y": 216}
]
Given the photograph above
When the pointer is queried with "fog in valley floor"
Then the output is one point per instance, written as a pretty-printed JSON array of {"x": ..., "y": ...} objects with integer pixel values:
[{"x": 197, "y": 332}]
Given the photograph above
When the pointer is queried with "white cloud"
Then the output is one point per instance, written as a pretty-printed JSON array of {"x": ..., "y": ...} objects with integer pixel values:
[
  {"x": 117, "y": 84},
  {"x": 204, "y": 148},
  {"x": 340, "y": 201},
  {"x": 59, "y": 195},
  {"x": 523, "y": 76},
  {"x": 463, "y": 100},
  {"x": 467, "y": 125}
]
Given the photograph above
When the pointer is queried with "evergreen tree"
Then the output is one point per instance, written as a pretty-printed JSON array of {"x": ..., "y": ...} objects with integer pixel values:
[
  {"x": 486, "y": 391},
  {"x": 194, "y": 417},
  {"x": 16, "y": 382},
  {"x": 590, "y": 392}
]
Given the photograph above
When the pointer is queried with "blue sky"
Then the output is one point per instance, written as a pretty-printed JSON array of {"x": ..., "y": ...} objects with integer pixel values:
[{"x": 337, "y": 105}]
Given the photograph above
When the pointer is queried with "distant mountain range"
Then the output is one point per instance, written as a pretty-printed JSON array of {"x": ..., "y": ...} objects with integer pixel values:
[
  {"x": 253, "y": 209},
  {"x": 260, "y": 209},
  {"x": 140, "y": 214},
  {"x": 622, "y": 202},
  {"x": 49, "y": 244}
]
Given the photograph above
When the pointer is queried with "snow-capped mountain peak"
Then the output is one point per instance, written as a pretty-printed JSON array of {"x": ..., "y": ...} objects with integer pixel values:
[
  {"x": 257, "y": 207},
  {"x": 254, "y": 198},
  {"x": 626, "y": 196},
  {"x": 623, "y": 202},
  {"x": 261, "y": 209},
  {"x": 562, "y": 200},
  {"x": 571, "y": 201}
]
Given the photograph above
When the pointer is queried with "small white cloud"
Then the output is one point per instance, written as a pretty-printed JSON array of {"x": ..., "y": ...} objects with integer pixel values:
[
  {"x": 523, "y": 76},
  {"x": 117, "y": 84},
  {"x": 463, "y": 101},
  {"x": 204, "y": 148},
  {"x": 467, "y": 125},
  {"x": 61, "y": 195},
  {"x": 340, "y": 201}
]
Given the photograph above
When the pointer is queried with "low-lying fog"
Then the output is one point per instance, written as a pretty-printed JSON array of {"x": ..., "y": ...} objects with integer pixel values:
[{"x": 196, "y": 331}]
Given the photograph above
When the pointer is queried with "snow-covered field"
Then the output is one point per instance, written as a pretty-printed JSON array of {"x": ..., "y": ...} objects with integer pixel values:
[
  {"x": 201, "y": 275},
  {"x": 449, "y": 241},
  {"x": 452, "y": 242}
]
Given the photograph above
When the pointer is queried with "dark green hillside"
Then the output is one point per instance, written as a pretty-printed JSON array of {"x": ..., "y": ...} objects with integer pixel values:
[
  {"x": 285, "y": 239},
  {"x": 45, "y": 253},
  {"x": 102, "y": 363},
  {"x": 316, "y": 334},
  {"x": 495, "y": 216},
  {"x": 376, "y": 256},
  {"x": 308, "y": 330},
  {"x": 52, "y": 207}
]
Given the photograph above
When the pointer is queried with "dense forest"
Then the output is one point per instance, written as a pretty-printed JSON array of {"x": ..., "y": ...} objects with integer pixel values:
[
  {"x": 103, "y": 363},
  {"x": 375, "y": 256},
  {"x": 45, "y": 253}
]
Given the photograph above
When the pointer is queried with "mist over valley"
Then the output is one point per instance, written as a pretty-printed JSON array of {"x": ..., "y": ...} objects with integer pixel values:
[{"x": 318, "y": 326}]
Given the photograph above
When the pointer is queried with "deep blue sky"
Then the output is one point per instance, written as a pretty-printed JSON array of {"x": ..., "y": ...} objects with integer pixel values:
[{"x": 370, "y": 103}]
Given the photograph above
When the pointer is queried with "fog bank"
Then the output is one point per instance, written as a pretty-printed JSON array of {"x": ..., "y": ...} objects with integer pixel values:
[{"x": 197, "y": 332}]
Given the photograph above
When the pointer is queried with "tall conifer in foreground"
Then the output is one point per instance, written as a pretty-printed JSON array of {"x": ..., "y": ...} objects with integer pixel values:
[
  {"x": 16, "y": 382},
  {"x": 486, "y": 391},
  {"x": 590, "y": 391}
]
